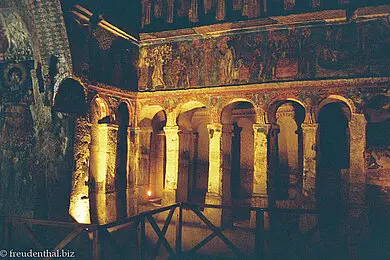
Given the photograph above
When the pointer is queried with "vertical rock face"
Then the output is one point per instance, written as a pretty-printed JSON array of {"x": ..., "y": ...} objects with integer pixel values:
[{"x": 36, "y": 143}]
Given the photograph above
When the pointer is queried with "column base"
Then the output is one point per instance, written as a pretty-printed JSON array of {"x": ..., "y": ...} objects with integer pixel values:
[
  {"x": 168, "y": 197},
  {"x": 219, "y": 217},
  {"x": 132, "y": 203},
  {"x": 141, "y": 193},
  {"x": 259, "y": 201}
]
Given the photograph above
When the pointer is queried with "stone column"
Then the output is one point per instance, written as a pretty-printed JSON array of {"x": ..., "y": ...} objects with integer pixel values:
[
  {"x": 357, "y": 221},
  {"x": 309, "y": 132},
  {"x": 79, "y": 203},
  {"x": 133, "y": 170},
  {"x": 219, "y": 172},
  {"x": 357, "y": 172},
  {"x": 144, "y": 164},
  {"x": 172, "y": 164},
  {"x": 185, "y": 143},
  {"x": 157, "y": 164},
  {"x": 97, "y": 173},
  {"x": 111, "y": 192},
  {"x": 260, "y": 169}
]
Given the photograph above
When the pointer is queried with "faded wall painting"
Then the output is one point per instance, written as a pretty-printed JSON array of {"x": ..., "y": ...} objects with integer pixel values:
[{"x": 352, "y": 50}]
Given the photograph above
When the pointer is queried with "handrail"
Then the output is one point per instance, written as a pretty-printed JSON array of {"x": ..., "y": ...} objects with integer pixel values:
[
  {"x": 102, "y": 232},
  {"x": 280, "y": 210}
]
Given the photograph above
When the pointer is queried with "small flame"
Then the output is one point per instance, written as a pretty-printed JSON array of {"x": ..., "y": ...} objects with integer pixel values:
[{"x": 149, "y": 193}]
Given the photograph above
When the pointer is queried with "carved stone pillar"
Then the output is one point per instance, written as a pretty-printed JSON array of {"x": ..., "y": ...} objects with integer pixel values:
[
  {"x": 357, "y": 216},
  {"x": 357, "y": 128},
  {"x": 172, "y": 164},
  {"x": 157, "y": 164},
  {"x": 220, "y": 143},
  {"x": 272, "y": 163},
  {"x": 185, "y": 143},
  {"x": 144, "y": 163},
  {"x": 111, "y": 191},
  {"x": 260, "y": 168},
  {"x": 79, "y": 203},
  {"x": 97, "y": 173},
  {"x": 133, "y": 171},
  {"x": 309, "y": 132}
]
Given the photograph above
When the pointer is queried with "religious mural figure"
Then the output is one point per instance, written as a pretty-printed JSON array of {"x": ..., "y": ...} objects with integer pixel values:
[
  {"x": 307, "y": 60},
  {"x": 332, "y": 54},
  {"x": 272, "y": 56},
  {"x": 287, "y": 63},
  {"x": 143, "y": 69},
  {"x": 160, "y": 55},
  {"x": 208, "y": 62},
  {"x": 241, "y": 72},
  {"x": 179, "y": 74},
  {"x": 225, "y": 61},
  {"x": 253, "y": 53},
  {"x": 195, "y": 63}
]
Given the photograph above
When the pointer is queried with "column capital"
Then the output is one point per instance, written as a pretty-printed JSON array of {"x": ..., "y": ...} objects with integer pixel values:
[
  {"x": 215, "y": 126},
  {"x": 261, "y": 128},
  {"x": 185, "y": 132},
  {"x": 171, "y": 130},
  {"x": 358, "y": 117},
  {"x": 145, "y": 129},
  {"x": 309, "y": 126}
]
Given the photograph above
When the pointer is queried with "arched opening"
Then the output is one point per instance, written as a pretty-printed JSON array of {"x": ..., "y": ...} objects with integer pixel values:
[
  {"x": 193, "y": 154},
  {"x": 70, "y": 98},
  {"x": 157, "y": 157},
  {"x": 286, "y": 151},
  {"x": 333, "y": 153},
  {"x": 332, "y": 170},
  {"x": 98, "y": 161},
  {"x": 240, "y": 117},
  {"x": 121, "y": 160},
  {"x": 151, "y": 176}
]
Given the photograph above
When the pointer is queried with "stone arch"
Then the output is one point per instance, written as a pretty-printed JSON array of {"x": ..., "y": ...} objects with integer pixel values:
[
  {"x": 190, "y": 105},
  {"x": 70, "y": 97},
  {"x": 99, "y": 109},
  {"x": 238, "y": 118},
  {"x": 285, "y": 149},
  {"x": 190, "y": 116},
  {"x": 147, "y": 113},
  {"x": 232, "y": 104},
  {"x": 333, "y": 152},
  {"x": 334, "y": 99},
  {"x": 273, "y": 107},
  {"x": 152, "y": 144}
]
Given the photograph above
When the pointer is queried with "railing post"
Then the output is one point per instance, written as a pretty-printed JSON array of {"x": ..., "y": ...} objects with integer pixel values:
[
  {"x": 259, "y": 235},
  {"x": 96, "y": 244},
  {"x": 179, "y": 228},
  {"x": 142, "y": 239},
  {"x": 7, "y": 233}
]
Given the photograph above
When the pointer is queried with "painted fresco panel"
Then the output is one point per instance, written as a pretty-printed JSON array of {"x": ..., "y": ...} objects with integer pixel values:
[{"x": 337, "y": 51}]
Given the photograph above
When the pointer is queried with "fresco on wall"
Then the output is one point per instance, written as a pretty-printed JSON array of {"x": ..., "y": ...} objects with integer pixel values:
[{"x": 287, "y": 54}]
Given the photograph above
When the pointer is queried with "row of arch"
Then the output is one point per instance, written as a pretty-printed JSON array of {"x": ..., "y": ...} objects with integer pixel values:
[
  {"x": 285, "y": 150},
  {"x": 137, "y": 164}
]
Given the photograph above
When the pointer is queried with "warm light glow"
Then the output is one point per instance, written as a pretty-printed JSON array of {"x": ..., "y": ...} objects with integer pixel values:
[
  {"x": 149, "y": 193},
  {"x": 79, "y": 210}
]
